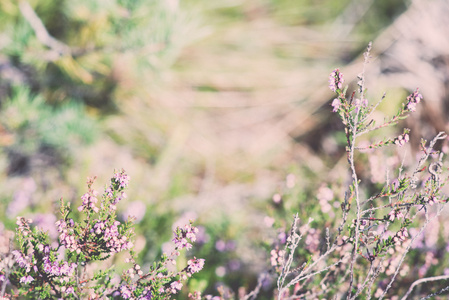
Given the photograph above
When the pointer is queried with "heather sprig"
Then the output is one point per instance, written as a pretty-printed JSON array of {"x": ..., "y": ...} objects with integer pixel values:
[
  {"x": 371, "y": 230},
  {"x": 47, "y": 270}
]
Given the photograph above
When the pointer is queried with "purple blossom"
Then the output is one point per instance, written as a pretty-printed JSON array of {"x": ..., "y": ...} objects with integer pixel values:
[
  {"x": 395, "y": 213},
  {"x": 114, "y": 241},
  {"x": 182, "y": 234},
  {"x": 125, "y": 292},
  {"x": 122, "y": 179},
  {"x": 336, "y": 104},
  {"x": 47, "y": 268},
  {"x": 402, "y": 234},
  {"x": 23, "y": 261},
  {"x": 175, "y": 286},
  {"x": 114, "y": 192},
  {"x": 26, "y": 279},
  {"x": 55, "y": 270},
  {"x": 277, "y": 257},
  {"x": 402, "y": 139},
  {"x": 336, "y": 80},
  {"x": 89, "y": 201},
  {"x": 98, "y": 227},
  {"x": 70, "y": 290},
  {"x": 411, "y": 106},
  {"x": 413, "y": 99},
  {"x": 195, "y": 265}
]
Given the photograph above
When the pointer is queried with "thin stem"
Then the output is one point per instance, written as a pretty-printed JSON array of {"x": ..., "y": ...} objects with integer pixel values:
[
  {"x": 41, "y": 32},
  {"x": 423, "y": 280},
  {"x": 428, "y": 220}
]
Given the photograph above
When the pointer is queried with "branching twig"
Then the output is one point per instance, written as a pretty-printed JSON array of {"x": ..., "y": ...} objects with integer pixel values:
[
  {"x": 256, "y": 290},
  {"x": 423, "y": 227},
  {"x": 423, "y": 280},
  {"x": 41, "y": 32}
]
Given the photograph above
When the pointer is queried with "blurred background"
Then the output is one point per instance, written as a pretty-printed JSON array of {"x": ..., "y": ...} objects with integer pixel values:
[{"x": 218, "y": 110}]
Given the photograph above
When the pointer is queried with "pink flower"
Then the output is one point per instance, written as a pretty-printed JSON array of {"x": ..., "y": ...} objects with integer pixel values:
[
  {"x": 335, "y": 104},
  {"x": 403, "y": 234},
  {"x": 396, "y": 213},
  {"x": 175, "y": 286},
  {"x": 26, "y": 279},
  {"x": 195, "y": 265},
  {"x": 413, "y": 99},
  {"x": 336, "y": 80},
  {"x": 402, "y": 139}
]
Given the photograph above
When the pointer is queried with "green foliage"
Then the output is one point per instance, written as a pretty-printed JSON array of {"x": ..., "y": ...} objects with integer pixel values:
[{"x": 38, "y": 127}]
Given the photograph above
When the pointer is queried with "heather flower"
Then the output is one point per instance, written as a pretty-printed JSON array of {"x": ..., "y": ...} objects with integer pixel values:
[
  {"x": 47, "y": 267},
  {"x": 69, "y": 290},
  {"x": 195, "y": 265},
  {"x": 122, "y": 179},
  {"x": 413, "y": 99},
  {"x": 98, "y": 237},
  {"x": 175, "y": 286},
  {"x": 336, "y": 80},
  {"x": 336, "y": 104},
  {"x": 115, "y": 190},
  {"x": 22, "y": 261},
  {"x": 182, "y": 234},
  {"x": 277, "y": 257},
  {"x": 396, "y": 213},
  {"x": 125, "y": 292},
  {"x": 26, "y": 279},
  {"x": 403, "y": 234},
  {"x": 89, "y": 201},
  {"x": 402, "y": 139}
]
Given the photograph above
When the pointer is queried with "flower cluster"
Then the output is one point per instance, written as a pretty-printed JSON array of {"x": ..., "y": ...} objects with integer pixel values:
[
  {"x": 24, "y": 261},
  {"x": 336, "y": 104},
  {"x": 89, "y": 202},
  {"x": 58, "y": 268},
  {"x": 159, "y": 280},
  {"x": 114, "y": 241},
  {"x": 277, "y": 257},
  {"x": 183, "y": 235},
  {"x": 395, "y": 213},
  {"x": 401, "y": 235},
  {"x": 67, "y": 237},
  {"x": 336, "y": 80},
  {"x": 382, "y": 223},
  {"x": 402, "y": 139},
  {"x": 114, "y": 192},
  {"x": 413, "y": 99},
  {"x": 195, "y": 265},
  {"x": 121, "y": 179},
  {"x": 41, "y": 272}
]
